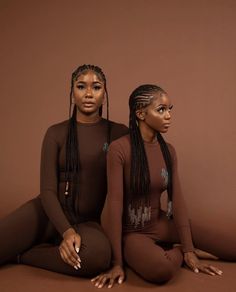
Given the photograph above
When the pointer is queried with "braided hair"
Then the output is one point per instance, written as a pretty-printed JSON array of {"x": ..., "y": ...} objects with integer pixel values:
[
  {"x": 140, "y": 98},
  {"x": 72, "y": 150}
]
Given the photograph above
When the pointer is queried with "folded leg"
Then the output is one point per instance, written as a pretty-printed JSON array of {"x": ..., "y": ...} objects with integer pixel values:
[
  {"x": 149, "y": 260},
  {"x": 95, "y": 253},
  {"x": 20, "y": 230}
]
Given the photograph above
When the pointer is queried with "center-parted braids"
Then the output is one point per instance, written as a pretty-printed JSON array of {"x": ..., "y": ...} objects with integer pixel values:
[
  {"x": 140, "y": 98},
  {"x": 72, "y": 147}
]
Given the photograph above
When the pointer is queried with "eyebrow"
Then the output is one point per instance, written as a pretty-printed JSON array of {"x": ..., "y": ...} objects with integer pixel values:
[
  {"x": 162, "y": 105},
  {"x": 94, "y": 82}
]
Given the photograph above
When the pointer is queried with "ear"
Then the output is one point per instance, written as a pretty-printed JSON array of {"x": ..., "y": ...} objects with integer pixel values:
[{"x": 140, "y": 114}]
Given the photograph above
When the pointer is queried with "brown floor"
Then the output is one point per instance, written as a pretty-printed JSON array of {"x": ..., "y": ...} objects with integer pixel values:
[{"x": 21, "y": 278}]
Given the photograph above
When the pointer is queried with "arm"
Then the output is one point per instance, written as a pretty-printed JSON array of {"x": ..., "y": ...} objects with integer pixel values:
[
  {"x": 113, "y": 209},
  {"x": 48, "y": 194},
  {"x": 49, "y": 182},
  {"x": 180, "y": 213},
  {"x": 183, "y": 226}
]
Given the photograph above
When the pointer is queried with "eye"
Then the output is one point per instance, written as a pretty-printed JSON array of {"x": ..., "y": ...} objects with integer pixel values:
[
  {"x": 80, "y": 86},
  {"x": 97, "y": 87},
  {"x": 170, "y": 107},
  {"x": 161, "y": 110}
]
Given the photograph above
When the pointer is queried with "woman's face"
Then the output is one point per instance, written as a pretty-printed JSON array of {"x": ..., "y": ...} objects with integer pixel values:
[
  {"x": 156, "y": 115},
  {"x": 88, "y": 93}
]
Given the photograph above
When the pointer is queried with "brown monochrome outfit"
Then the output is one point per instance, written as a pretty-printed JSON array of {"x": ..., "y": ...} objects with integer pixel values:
[
  {"x": 34, "y": 231},
  {"x": 139, "y": 230}
]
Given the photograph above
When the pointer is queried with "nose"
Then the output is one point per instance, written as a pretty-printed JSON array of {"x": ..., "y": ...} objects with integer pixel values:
[
  {"x": 88, "y": 92},
  {"x": 167, "y": 115}
]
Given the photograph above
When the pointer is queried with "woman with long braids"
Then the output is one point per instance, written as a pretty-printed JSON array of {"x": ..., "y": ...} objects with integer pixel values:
[
  {"x": 140, "y": 167},
  {"x": 60, "y": 230}
]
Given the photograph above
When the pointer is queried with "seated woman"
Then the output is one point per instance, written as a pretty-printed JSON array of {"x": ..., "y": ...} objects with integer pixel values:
[
  {"x": 59, "y": 230},
  {"x": 141, "y": 166}
]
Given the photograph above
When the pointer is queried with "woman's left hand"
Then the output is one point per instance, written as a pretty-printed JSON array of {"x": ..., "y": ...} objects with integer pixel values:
[{"x": 196, "y": 266}]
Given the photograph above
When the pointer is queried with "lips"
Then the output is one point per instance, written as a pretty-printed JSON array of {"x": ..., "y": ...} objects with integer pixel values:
[
  {"x": 88, "y": 104},
  {"x": 167, "y": 125}
]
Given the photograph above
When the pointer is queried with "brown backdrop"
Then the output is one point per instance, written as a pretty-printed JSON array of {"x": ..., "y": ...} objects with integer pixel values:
[{"x": 187, "y": 47}]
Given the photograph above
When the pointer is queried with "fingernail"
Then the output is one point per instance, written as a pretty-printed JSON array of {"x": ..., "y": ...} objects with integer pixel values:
[
  {"x": 120, "y": 281},
  {"x": 100, "y": 286},
  {"x": 77, "y": 249},
  {"x": 79, "y": 260},
  {"x": 75, "y": 267},
  {"x": 196, "y": 271},
  {"x": 78, "y": 265},
  {"x": 220, "y": 272}
]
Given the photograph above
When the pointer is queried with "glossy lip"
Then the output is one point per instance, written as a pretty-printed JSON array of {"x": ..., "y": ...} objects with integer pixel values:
[
  {"x": 88, "y": 103},
  {"x": 167, "y": 125}
]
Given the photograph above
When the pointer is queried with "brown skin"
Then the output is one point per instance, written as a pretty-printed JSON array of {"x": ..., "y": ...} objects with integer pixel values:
[
  {"x": 156, "y": 118},
  {"x": 88, "y": 95}
]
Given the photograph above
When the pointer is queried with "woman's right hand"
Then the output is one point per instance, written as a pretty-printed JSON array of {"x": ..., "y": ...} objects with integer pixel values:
[
  {"x": 69, "y": 248},
  {"x": 116, "y": 273}
]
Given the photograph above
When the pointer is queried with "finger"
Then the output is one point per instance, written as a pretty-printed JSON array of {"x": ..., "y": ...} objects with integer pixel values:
[
  {"x": 62, "y": 255},
  {"x": 99, "y": 281},
  {"x": 96, "y": 278},
  {"x": 121, "y": 279},
  {"x": 103, "y": 282},
  {"x": 71, "y": 256},
  {"x": 192, "y": 266},
  {"x": 111, "y": 283},
  {"x": 215, "y": 270},
  {"x": 77, "y": 243},
  {"x": 206, "y": 270},
  {"x": 212, "y": 270},
  {"x": 72, "y": 252},
  {"x": 69, "y": 259}
]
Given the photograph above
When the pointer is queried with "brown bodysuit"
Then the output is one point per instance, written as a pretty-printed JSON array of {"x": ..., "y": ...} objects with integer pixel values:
[
  {"x": 39, "y": 224},
  {"x": 140, "y": 226}
]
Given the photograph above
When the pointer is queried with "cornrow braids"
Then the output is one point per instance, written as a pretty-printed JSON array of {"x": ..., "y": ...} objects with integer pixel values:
[
  {"x": 72, "y": 166},
  {"x": 141, "y": 97}
]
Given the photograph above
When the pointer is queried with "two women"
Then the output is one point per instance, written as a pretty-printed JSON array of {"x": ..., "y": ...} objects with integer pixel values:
[{"x": 60, "y": 230}]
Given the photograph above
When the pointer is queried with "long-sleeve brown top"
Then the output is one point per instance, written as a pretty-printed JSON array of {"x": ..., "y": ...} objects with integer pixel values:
[
  {"x": 121, "y": 214},
  {"x": 92, "y": 183}
]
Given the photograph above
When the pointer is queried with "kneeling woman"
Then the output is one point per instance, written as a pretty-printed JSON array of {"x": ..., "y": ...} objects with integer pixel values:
[
  {"x": 60, "y": 230},
  {"x": 141, "y": 166}
]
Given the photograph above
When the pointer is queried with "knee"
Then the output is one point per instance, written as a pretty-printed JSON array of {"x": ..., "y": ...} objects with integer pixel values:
[
  {"x": 95, "y": 253},
  {"x": 163, "y": 273},
  {"x": 102, "y": 253}
]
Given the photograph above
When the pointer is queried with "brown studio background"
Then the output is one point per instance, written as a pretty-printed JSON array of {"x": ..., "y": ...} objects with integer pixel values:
[{"x": 187, "y": 47}]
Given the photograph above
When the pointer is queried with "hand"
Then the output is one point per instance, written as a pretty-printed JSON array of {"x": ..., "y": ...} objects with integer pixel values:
[
  {"x": 194, "y": 264},
  {"x": 114, "y": 274},
  {"x": 69, "y": 248}
]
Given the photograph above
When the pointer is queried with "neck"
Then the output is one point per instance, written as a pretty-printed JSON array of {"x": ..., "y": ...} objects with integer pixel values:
[
  {"x": 147, "y": 133},
  {"x": 82, "y": 118}
]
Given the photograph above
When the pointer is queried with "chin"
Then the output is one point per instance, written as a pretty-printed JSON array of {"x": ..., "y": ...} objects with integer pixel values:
[{"x": 163, "y": 131}]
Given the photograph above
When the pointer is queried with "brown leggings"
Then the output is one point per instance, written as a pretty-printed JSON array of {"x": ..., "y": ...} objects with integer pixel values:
[
  {"x": 28, "y": 236},
  {"x": 158, "y": 262}
]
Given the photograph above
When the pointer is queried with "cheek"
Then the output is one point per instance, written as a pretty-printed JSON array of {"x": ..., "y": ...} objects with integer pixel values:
[
  {"x": 100, "y": 97},
  {"x": 78, "y": 95},
  {"x": 155, "y": 123}
]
